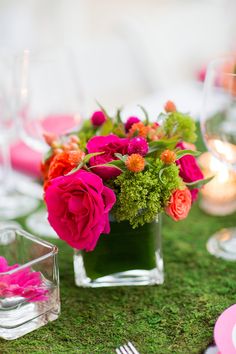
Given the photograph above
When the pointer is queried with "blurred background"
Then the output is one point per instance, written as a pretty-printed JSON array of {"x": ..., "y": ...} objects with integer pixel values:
[{"x": 124, "y": 50}]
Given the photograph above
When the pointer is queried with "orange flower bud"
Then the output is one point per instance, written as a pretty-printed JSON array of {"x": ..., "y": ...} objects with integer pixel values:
[
  {"x": 55, "y": 144},
  {"x": 168, "y": 157},
  {"x": 74, "y": 139},
  {"x": 73, "y": 146},
  {"x": 135, "y": 163},
  {"x": 170, "y": 107},
  {"x": 50, "y": 138},
  {"x": 65, "y": 146},
  {"x": 58, "y": 151}
]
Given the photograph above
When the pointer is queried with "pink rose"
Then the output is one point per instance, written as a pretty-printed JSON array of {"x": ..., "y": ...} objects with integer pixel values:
[
  {"x": 179, "y": 204},
  {"x": 110, "y": 145},
  {"x": 78, "y": 207},
  {"x": 189, "y": 170}
]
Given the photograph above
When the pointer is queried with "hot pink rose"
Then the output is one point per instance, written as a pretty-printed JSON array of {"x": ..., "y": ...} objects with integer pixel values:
[
  {"x": 110, "y": 145},
  {"x": 189, "y": 170},
  {"x": 78, "y": 207},
  {"x": 179, "y": 204}
]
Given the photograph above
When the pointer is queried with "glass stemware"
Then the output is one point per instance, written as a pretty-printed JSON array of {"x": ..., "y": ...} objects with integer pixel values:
[
  {"x": 13, "y": 204},
  {"x": 218, "y": 125},
  {"x": 48, "y": 103}
]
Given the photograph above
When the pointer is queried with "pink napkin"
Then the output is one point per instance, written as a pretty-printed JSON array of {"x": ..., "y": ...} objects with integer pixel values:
[
  {"x": 225, "y": 331},
  {"x": 25, "y": 159},
  {"x": 28, "y": 161}
]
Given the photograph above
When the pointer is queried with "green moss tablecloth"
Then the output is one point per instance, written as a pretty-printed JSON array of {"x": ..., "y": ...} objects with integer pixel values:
[{"x": 176, "y": 317}]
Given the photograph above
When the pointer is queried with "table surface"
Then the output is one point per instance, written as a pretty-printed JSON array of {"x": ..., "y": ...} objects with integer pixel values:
[{"x": 176, "y": 317}]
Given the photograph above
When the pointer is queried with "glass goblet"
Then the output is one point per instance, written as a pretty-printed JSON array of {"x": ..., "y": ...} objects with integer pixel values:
[
  {"x": 13, "y": 204},
  {"x": 48, "y": 103},
  {"x": 218, "y": 125}
]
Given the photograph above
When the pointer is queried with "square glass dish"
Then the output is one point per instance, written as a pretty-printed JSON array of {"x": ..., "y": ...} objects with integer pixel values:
[{"x": 29, "y": 283}]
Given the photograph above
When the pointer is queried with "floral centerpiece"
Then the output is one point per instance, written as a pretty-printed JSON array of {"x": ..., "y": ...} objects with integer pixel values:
[{"x": 107, "y": 184}]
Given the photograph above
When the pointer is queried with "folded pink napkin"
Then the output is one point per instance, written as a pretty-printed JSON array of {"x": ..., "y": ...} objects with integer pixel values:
[{"x": 26, "y": 160}]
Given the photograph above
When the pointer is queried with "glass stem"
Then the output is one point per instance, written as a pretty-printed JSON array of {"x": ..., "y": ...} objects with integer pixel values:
[{"x": 6, "y": 183}]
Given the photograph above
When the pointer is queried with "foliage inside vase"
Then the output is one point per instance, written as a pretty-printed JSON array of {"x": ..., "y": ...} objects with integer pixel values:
[{"x": 123, "y": 249}]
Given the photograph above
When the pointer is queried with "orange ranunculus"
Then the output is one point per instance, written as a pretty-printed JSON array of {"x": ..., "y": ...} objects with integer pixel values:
[
  {"x": 138, "y": 129},
  {"x": 62, "y": 163},
  {"x": 45, "y": 167},
  {"x": 135, "y": 163},
  {"x": 179, "y": 204}
]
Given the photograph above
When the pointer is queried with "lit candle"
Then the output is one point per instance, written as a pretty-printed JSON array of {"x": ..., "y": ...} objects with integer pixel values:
[{"x": 219, "y": 195}]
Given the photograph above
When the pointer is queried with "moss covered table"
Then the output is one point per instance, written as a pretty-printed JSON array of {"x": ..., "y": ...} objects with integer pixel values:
[{"x": 176, "y": 317}]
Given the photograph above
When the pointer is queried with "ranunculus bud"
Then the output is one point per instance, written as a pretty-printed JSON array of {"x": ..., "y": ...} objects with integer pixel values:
[
  {"x": 98, "y": 118},
  {"x": 170, "y": 107},
  {"x": 130, "y": 121}
]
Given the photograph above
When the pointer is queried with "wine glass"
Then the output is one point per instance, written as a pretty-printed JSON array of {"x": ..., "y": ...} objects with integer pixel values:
[
  {"x": 13, "y": 204},
  {"x": 48, "y": 103},
  {"x": 218, "y": 125}
]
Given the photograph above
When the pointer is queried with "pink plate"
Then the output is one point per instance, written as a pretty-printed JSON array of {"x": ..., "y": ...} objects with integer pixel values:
[{"x": 225, "y": 331}]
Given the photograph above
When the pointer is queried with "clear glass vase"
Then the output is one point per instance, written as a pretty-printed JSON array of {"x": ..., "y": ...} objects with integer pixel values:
[
  {"x": 29, "y": 283},
  {"x": 124, "y": 257}
]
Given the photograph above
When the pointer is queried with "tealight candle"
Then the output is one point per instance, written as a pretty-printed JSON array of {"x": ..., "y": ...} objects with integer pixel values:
[{"x": 219, "y": 195}]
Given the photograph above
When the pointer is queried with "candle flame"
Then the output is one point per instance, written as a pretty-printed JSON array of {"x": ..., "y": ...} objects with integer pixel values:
[{"x": 221, "y": 171}]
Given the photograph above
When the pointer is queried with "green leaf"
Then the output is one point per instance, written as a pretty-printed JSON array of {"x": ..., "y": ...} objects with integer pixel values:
[
  {"x": 121, "y": 157},
  {"x": 161, "y": 145},
  {"x": 47, "y": 156},
  {"x": 88, "y": 156},
  {"x": 145, "y": 113},
  {"x": 103, "y": 110},
  {"x": 181, "y": 153},
  {"x": 164, "y": 143},
  {"x": 81, "y": 164},
  {"x": 107, "y": 127},
  {"x": 119, "y": 130},
  {"x": 118, "y": 116},
  {"x": 199, "y": 183},
  {"x": 118, "y": 155},
  {"x": 117, "y": 163},
  {"x": 114, "y": 163},
  {"x": 161, "y": 173}
]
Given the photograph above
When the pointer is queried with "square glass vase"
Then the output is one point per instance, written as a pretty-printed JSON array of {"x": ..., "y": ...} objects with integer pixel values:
[
  {"x": 29, "y": 283},
  {"x": 124, "y": 257}
]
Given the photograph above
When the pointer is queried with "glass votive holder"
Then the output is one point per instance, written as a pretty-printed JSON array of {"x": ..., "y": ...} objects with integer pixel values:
[
  {"x": 29, "y": 283},
  {"x": 218, "y": 197}
]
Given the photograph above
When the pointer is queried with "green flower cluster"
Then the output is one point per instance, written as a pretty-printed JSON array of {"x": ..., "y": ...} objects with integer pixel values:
[
  {"x": 181, "y": 126},
  {"x": 141, "y": 196}
]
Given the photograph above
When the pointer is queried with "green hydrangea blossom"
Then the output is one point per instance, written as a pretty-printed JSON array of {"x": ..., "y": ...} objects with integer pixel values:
[
  {"x": 141, "y": 196},
  {"x": 180, "y": 125}
]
